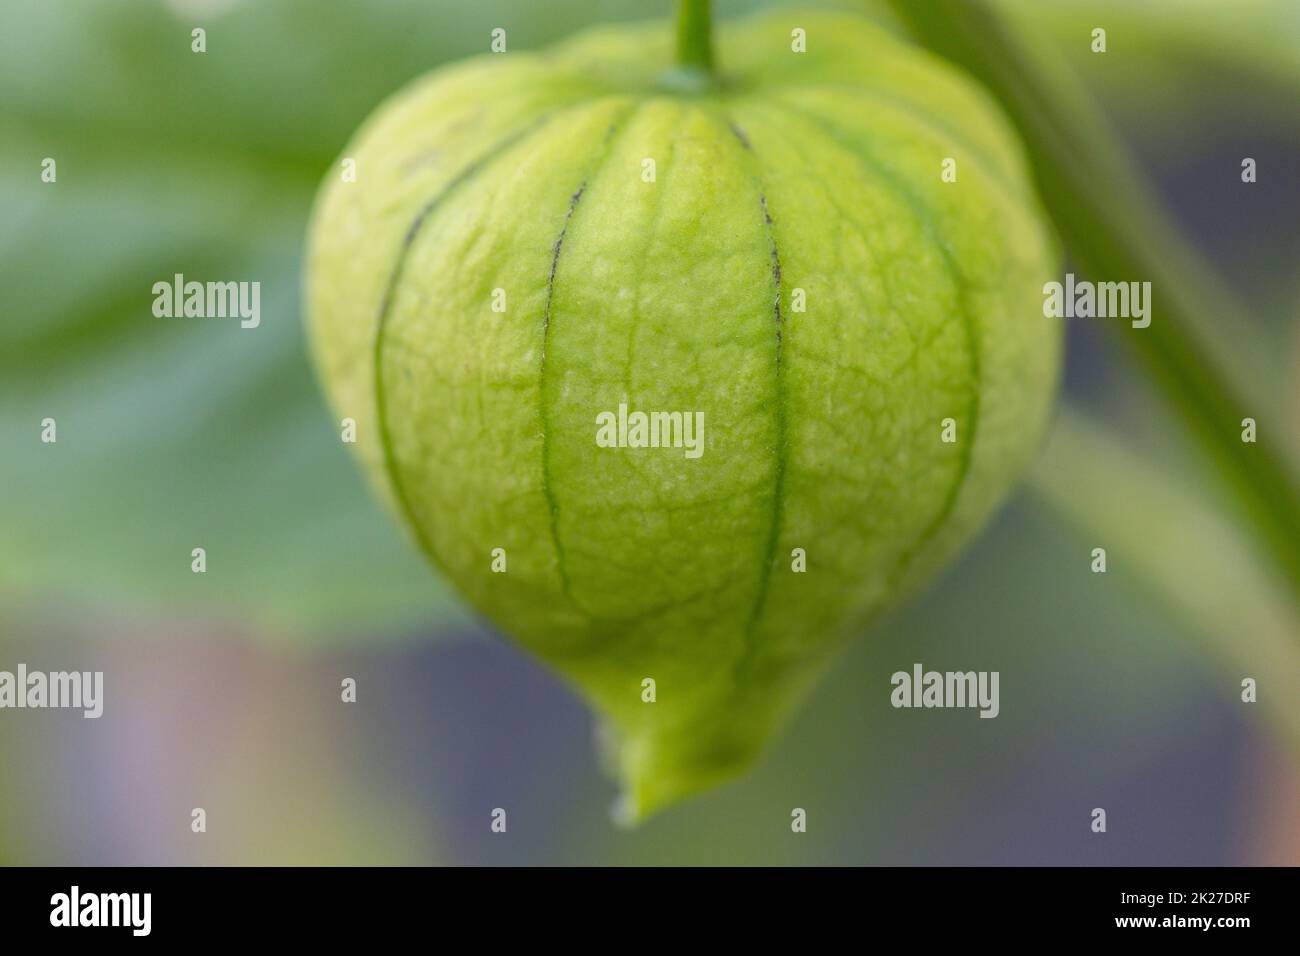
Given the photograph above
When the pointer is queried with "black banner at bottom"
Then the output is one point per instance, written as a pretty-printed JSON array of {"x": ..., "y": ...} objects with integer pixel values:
[{"x": 332, "y": 906}]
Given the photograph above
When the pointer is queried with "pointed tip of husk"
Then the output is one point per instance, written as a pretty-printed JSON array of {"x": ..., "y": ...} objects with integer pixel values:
[{"x": 659, "y": 769}]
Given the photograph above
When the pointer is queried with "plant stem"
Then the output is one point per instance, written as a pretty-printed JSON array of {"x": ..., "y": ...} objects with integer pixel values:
[
  {"x": 1104, "y": 211},
  {"x": 695, "y": 35}
]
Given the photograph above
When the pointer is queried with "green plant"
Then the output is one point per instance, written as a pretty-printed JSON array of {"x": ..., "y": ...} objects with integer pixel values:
[{"x": 770, "y": 250}]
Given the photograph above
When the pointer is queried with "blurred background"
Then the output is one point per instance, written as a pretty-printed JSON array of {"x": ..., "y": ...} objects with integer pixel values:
[{"x": 1119, "y": 690}]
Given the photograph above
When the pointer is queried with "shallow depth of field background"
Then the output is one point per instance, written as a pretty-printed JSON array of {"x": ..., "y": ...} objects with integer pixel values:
[{"x": 223, "y": 688}]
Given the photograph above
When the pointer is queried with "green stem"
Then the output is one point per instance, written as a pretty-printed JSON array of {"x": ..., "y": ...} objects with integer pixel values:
[
  {"x": 695, "y": 35},
  {"x": 1104, "y": 211}
]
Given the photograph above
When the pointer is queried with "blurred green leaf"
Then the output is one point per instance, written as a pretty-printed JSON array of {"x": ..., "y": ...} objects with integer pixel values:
[
  {"x": 1170, "y": 63},
  {"x": 1160, "y": 530},
  {"x": 175, "y": 434}
]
